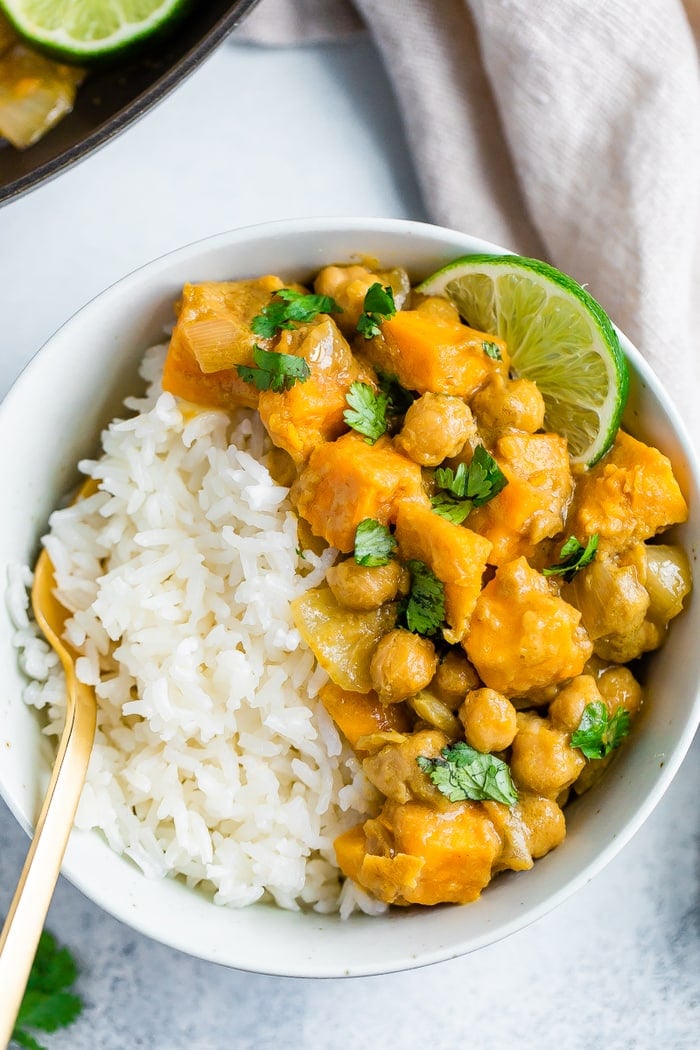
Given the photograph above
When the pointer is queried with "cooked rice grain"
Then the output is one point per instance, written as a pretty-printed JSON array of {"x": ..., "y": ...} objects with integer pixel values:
[{"x": 213, "y": 760}]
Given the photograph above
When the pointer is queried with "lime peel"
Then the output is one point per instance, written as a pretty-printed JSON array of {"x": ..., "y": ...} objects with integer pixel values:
[
  {"x": 558, "y": 336},
  {"x": 89, "y": 30}
]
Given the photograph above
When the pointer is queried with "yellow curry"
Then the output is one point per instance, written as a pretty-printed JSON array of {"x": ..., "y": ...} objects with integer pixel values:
[{"x": 487, "y": 598}]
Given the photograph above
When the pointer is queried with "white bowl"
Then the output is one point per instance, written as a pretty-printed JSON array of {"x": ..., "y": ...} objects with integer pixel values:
[{"x": 52, "y": 418}]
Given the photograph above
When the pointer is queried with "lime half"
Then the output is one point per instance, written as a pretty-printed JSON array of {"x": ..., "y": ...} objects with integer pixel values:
[
  {"x": 86, "y": 30},
  {"x": 557, "y": 335}
]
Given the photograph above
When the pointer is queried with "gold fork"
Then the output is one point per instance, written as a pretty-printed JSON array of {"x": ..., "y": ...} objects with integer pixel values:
[{"x": 25, "y": 919}]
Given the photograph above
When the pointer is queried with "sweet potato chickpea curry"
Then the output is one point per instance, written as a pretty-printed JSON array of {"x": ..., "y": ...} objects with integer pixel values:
[{"x": 487, "y": 598}]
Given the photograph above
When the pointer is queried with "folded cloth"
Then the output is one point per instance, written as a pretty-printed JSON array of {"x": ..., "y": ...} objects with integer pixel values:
[{"x": 569, "y": 131}]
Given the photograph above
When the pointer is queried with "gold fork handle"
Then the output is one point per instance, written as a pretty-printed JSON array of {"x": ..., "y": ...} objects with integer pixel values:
[{"x": 25, "y": 919}]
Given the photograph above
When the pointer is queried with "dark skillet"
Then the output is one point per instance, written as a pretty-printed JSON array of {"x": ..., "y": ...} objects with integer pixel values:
[{"x": 112, "y": 98}]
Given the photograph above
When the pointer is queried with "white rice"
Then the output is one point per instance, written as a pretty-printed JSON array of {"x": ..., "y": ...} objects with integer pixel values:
[{"x": 213, "y": 760}]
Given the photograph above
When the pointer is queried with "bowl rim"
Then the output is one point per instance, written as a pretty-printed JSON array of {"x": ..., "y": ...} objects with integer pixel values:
[
  {"x": 422, "y": 231},
  {"x": 129, "y": 113}
]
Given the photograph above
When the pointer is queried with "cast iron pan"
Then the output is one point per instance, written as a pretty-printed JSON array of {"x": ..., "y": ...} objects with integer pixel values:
[{"x": 112, "y": 98}]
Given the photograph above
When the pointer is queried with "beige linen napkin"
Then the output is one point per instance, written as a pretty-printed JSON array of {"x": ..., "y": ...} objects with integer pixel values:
[{"x": 564, "y": 129}]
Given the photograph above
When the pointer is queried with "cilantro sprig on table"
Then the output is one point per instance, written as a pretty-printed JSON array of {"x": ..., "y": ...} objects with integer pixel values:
[
  {"x": 467, "y": 486},
  {"x": 47, "y": 1004},
  {"x": 290, "y": 308},
  {"x": 573, "y": 557},
  {"x": 274, "y": 371},
  {"x": 463, "y": 773},
  {"x": 423, "y": 611},
  {"x": 598, "y": 732},
  {"x": 367, "y": 413},
  {"x": 374, "y": 544},
  {"x": 378, "y": 306}
]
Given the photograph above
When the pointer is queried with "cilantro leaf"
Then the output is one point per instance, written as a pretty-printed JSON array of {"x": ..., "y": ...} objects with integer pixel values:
[
  {"x": 464, "y": 773},
  {"x": 467, "y": 487},
  {"x": 480, "y": 481},
  {"x": 273, "y": 371},
  {"x": 47, "y": 1004},
  {"x": 453, "y": 481},
  {"x": 492, "y": 350},
  {"x": 374, "y": 544},
  {"x": 289, "y": 308},
  {"x": 448, "y": 506},
  {"x": 572, "y": 557},
  {"x": 378, "y": 306},
  {"x": 367, "y": 412},
  {"x": 423, "y": 611},
  {"x": 598, "y": 734}
]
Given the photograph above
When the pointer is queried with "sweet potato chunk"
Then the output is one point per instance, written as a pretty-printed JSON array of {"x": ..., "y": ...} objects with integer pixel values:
[
  {"x": 232, "y": 305},
  {"x": 532, "y": 505},
  {"x": 414, "y": 854},
  {"x": 348, "y": 480},
  {"x": 630, "y": 495},
  {"x": 428, "y": 353},
  {"x": 522, "y": 635},
  {"x": 311, "y": 412},
  {"x": 454, "y": 553},
  {"x": 361, "y": 714}
]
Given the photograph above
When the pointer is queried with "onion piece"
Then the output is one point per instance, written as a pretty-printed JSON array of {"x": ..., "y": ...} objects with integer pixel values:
[
  {"x": 668, "y": 581},
  {"x": 35, "y": 93}
]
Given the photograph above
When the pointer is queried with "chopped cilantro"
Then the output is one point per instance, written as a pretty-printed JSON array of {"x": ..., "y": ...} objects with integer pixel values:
[
  {"x": 598, "y": 734},
  {"x": 273, "y": 371},
  {"x": 374, "y": 544},
  {"x": 423, "y": 611},
  {"x": 367, "y": 412},
  {"x": 492, "y": 350},
  {"x": 448, "y": 506},
  {"x": 378, "y": 306},
  {"x": 467, "y": 487},
  {"x": 464, "y": 773},
  {"x": 572, "y": 557},
  {"x": 289, "y": 308},
  {"x": 47, "y": 1004}
]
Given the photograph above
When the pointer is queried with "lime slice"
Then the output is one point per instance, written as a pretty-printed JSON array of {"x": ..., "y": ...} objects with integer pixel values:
[
  {"x": 84, "y": 30},
  {"x": 557, "y": 335}
]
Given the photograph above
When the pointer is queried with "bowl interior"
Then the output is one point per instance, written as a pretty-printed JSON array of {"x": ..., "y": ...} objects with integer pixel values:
[
  {"x": 114, "y": 96},
  {"x": 91, "y": 362}
]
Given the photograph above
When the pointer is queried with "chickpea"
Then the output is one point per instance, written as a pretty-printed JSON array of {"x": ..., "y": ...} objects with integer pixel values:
[
  {"x": 454, "y": 678},
  {"x": 566, "y": 709},
  {"x": 489, "y": 720},
  {"x": 438, "y": 307},
  {"x": 542, "y": 760},
  {"x": 619, "y": 688},
  {"x": 508, "y": 404},
  {"x": 363, "y": 587},
  {"x": 403, "y": 663},
  {"x": 348, "y": 285},
  {"x": 435, "y": 427},
  {"x": 543, "y": 823},
  {"x": 395, "y": 772}
]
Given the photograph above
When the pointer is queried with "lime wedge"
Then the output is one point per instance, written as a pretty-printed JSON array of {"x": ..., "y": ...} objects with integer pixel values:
[
  {"x": 85, "y": 30},
  {"x": 557, "y": 335}
]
